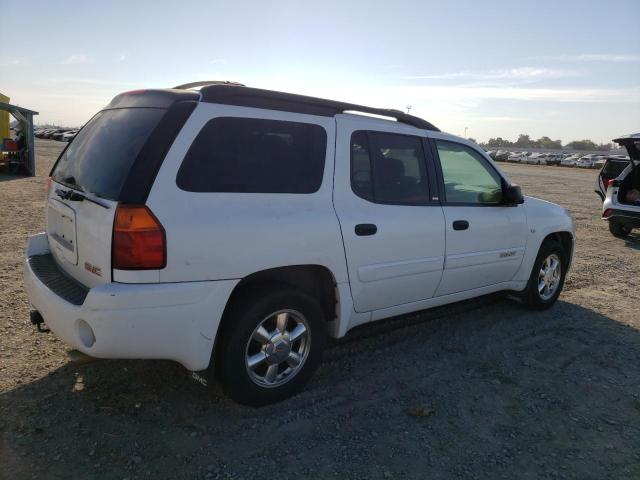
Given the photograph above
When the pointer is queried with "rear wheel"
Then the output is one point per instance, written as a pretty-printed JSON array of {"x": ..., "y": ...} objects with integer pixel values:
[
  {"x": 271, "y": 344},
  {"x": 547, "y": 277},
  {"x": 618, "y": 229}
]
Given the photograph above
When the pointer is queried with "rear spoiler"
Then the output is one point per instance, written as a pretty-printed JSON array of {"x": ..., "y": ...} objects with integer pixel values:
[
  {"x": 160, "y": 98},
  {"x": 631, "y": 143}
]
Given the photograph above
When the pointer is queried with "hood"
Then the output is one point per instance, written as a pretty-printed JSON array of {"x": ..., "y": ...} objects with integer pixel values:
[{"x": 541, "y": 213}]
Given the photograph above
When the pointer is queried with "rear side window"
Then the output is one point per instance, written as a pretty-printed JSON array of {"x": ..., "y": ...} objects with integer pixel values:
[
  {"x": 248, "y": 155},
  {"x": 388, "y": 168},
  {"x": 100, "y": 157}
]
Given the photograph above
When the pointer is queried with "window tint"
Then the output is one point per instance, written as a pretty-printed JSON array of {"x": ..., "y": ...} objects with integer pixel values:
[
  {"x": 100, "y": 157},
  {"x": 468, "y": 178},
  {"x": 255, "y": 156},
  {"x": 388, "y": 168}
]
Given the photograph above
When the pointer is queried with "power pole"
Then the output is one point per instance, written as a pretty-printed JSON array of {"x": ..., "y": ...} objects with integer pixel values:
[
  {"x": 465, "y": 131},
  {"x": 409, "y": 107}
]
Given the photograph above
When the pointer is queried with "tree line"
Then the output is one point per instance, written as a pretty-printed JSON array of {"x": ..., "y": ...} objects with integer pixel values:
[{"x": 525, "y": 141}]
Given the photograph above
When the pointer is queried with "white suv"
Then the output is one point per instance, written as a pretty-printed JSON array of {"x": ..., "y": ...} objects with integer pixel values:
[
  {"x": 233, "y": 229},
  {"x": 618, "y": 184}
]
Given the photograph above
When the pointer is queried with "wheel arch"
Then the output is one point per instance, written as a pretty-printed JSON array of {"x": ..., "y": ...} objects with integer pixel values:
[
  {"x": 565, "y": 239},
  {"x": 315, "y": 280}
]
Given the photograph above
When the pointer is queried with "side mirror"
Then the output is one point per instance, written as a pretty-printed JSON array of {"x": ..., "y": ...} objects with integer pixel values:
[{"x": 512, "y": 195}]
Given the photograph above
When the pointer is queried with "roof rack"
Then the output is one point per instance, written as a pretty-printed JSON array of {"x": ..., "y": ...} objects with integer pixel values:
[
  {"x": 203, "y": 83},
  {"x": 231, "y": 93}
]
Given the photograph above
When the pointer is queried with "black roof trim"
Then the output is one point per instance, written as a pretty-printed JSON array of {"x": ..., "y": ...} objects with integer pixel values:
[
  {"x": 202, "y": 83},
  {"x": 288, "y": 102}
]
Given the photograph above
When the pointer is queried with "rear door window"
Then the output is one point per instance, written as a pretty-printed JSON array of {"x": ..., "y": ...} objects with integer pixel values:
[
  {"x": 102, "y": 153},
  {"x": 388, "y": 168},
  {"x": 249, "y": 155}
]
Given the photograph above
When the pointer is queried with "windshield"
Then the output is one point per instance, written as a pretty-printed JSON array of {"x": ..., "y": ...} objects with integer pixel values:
[{"x": 102, "y": 153}]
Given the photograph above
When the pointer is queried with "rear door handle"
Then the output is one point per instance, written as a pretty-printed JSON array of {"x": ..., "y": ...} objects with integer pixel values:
[
  {"x": 460, "y": 225},
  {"x": 365, "y": 229}
]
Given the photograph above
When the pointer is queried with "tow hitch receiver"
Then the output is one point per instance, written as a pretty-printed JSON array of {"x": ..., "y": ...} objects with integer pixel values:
[{"x": 37, "y": 320}]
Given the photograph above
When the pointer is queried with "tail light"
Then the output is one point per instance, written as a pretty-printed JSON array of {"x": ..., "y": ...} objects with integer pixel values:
[
  {"x": 607, "y": 213},
  {"x": 139, "y": 241},
  {"x": 610, "y": 182},
  {"x": 48, "y": 185}
]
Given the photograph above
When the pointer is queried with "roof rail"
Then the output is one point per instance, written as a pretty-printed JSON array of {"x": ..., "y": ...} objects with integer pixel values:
[
  {"x": 229, "y": 94},
  {"x": 203, "y": 83}
]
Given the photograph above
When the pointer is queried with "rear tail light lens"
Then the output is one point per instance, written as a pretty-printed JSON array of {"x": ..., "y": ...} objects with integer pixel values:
[
  {"x": 610, "y": 182},
  {"x": 48, "y": 185},
  {"x": 139, "y": 241},
  {"x": 607, "y": 213}
]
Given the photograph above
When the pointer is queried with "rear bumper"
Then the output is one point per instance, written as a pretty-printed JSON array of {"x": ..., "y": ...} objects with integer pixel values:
[
  {"x": 628, "y": 217},
  {"x": 172, "y": 321}
]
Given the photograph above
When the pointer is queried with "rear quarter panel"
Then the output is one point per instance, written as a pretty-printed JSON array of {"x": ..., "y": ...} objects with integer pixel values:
[{"x": 214, "y": 236}]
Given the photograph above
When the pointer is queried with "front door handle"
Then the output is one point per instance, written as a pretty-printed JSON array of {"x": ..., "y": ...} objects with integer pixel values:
[
  {"x": 460, "y": 225},
  {"x": 365, "y": 229}
]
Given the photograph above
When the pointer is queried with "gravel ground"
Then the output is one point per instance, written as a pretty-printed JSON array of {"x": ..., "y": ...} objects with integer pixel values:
[{"x": 481, "y": 389}]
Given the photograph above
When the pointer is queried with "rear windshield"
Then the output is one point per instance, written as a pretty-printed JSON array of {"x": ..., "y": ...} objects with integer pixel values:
[
  {"x": 613, "y": 168},
  {"x": 101, "y": 155}
]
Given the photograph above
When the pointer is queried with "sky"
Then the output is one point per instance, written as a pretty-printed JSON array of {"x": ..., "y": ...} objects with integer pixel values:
[{"x": 565, "y": 69}]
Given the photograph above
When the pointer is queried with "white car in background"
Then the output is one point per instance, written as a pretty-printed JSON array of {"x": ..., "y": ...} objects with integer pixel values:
[
  {"x": 586, "y": 161},
  {"x": 570, "y": 161},
  {"x": 535, "y": 159},
  {"x": 516, "y": 157},
  {"x": 67, "y": 137},
  {"x": 233, "y": 229},
  {"x": 616, "y": 184}
]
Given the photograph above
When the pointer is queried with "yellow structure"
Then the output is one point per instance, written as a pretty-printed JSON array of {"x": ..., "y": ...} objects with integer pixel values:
[{"x": 4, "y": 119}]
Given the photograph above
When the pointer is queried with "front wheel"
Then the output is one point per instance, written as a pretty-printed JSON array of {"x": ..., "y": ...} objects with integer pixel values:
[
  {"x": 547, "y": 277},
  {"x": 271, "y": 344},
  {"x": 618, "y": 230}
]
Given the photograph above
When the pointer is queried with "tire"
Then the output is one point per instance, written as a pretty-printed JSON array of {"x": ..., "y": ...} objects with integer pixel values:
[
  {"x": 618, "y": 229},
  {"x": 535, "y": 299},
  {"x": 241, "y": 341}
]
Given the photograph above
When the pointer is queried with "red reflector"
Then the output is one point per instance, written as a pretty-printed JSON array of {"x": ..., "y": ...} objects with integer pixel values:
[
  {"x": 139, "y": 241},
  {"x": 607, "y": 213}
]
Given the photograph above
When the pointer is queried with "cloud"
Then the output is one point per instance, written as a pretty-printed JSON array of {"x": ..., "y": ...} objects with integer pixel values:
[
  {"x": 75, "y": 59},
  {"x": 461, "y": 93},
  {"x": 595, "y": 57},
  {"x": 521, "y": 73},
  {"x": 219, "y": 61},
  {"x": 12, "y": 63}
]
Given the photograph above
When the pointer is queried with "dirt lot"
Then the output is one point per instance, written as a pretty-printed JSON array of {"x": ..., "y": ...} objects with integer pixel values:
[{"x": 483, "y": 389}]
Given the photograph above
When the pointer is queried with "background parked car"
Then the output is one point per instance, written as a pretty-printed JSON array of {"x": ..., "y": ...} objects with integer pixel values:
[
  {"x": 554, "y": 158},
  {"x": 585, "y": 162},
  {"x": 534, "y": 159},
  {"x": 59, "y": 134},
  {"x": 67, "y": 137},
  {"x": 501, "y": 156},
  {"x": 570, "y": 161},
  {"x": 516, "y": 157}
]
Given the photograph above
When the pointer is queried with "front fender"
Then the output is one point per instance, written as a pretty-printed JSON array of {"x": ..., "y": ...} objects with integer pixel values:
[{"x": 543, "y": 219}]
